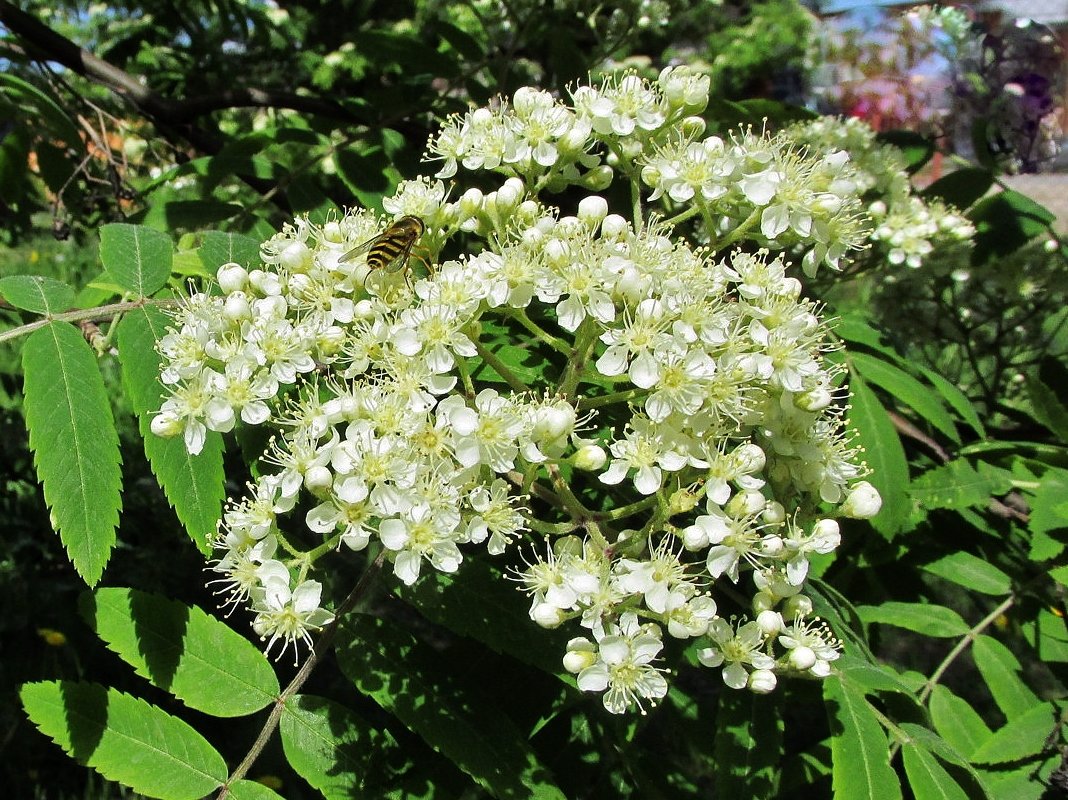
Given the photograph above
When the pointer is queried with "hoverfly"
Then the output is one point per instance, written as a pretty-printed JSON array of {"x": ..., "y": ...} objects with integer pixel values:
[{"x": 391, "y": 249}]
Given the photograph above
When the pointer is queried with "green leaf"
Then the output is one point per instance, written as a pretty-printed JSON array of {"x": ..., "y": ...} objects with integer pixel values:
[
  {"x": 480, "y": 739},
  {"x": 747, "y": 746},
  {"x": 933, "y": 743},
  {"x": 927, "y": 778},
  {"x": 137, "y": 258},
  {"x": 906, "y": 389},
  {"x": 37, "y": 293},
  {"x": 961, "y": 187},
  {"x": 221, "y": 248},
  {"x": 957, "y": 400},
  {"x": 482, "y": 605},
  {"x": 972, "y": 572},
  {"x": 957, "y": 722},
  {"x": 883, "y": 453},
  {"x": 332, "y": 748},
  {"x": 182, "y": 650},
  {"x": 75, "y": 446},
  {"x": 930, "y": 620},
  {"x": 871, "y": 678},
  {"x": 42, "y": 109},
  {"x": 859, "y": 748},
  {"x": 1001, "y": 671},
  {"x": 917, "y": 149},
  {"x": 251, "y": 790},
  {"x": 1020, "y": 738},
  {"x": 858, "y": 328},
  {"x": 1050, "y": 636},
  {"x": 194, "y": 485},
  {"x": 956, "y": 484},
  {"x": 125, "y": 739},
  {"x": 1006, "y": 221},
  {"x": 1048, "y": 408}
]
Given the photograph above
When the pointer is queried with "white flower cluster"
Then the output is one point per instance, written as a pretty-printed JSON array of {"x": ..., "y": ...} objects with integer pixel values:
[
  {"x": 754, "y": 182},
  {"x": 907, "y": 227},
  {"x": 665, "y": 416}
]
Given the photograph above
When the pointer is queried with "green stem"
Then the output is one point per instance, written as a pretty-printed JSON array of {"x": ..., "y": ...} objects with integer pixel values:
[
  {"x": 586, "y": 403},
  {"x": 629, "y": 510},
  {"x": 585, "y": 338},
  {"x": 690, "y": 212},
  {"x": 742, "y": 230},
  {"x": 98, "y": 314},
  {"x": 552, "y": 528},
  {"x": 532, "y": 327},
  {"x": 501, "y": 368}
]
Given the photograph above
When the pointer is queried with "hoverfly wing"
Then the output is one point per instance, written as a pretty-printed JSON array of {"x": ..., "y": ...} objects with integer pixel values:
[{"x": 359, "y": 250}]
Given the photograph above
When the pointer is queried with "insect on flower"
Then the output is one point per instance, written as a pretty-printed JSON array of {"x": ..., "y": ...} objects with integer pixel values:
[{"x": 391, "y": 249}]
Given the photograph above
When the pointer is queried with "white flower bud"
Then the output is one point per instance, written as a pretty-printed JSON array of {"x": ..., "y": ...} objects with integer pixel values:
[
  {"x": 750, "y": 458},
  {"x": 509, "y": 195},
  {"x": 813, "y": 400},
  {"x": 317, "y": 479},
  {"x": 799, "y": 604},
  {"x": 590, "y": 457},
  {"x": 770, "y": 622},
  {"x": 826, "y": 536},
  {"x": 613, "y": 226},
  {"x": 470, "y": 202},
  {"x": 771, "y": 545},
  {"x": 296, "y": 257},
  {"x": 332, "y": 232},
  {"x": 762, "y": 681},
  {"x": 774, "y": 513},
  {"x": 692, "y": 127},
  {"x": 236, "y": 307},
  {"x": 592, "y": 209},
  {"x": 581, "y": 653},
  {"x": 745, "y": 503},
  {"x": 802, "y": 658},
  {"x": 554, "y": 421},
  {"x": 166, "y": 425},
  {"x": 862, "y": 502},
  {"x": 547, "y": 616},
  {"x": 232, "y": 278}
]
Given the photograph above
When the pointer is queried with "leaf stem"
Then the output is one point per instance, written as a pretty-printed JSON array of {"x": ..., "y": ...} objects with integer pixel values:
[
  {"x": 322, "y": 646},
  {"x": 97, "y": 314}
]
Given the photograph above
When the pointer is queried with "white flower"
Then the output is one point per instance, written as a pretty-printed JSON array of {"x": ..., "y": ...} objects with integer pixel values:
[
  {"x": 421, "y": 534},
  {"x": 738, "y": 651},
  {"x": 288, "y": 614},
  {"x": 623, "y": 667}
]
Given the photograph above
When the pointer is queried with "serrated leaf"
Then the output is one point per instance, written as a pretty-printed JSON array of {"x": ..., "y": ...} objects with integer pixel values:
[
  {"x": 125, "y": 739},
  {"x": 194, "y": 485},
  {"x": 220, "y": 248},
  {"x": 388, "y": 665},
  {"x": 1001, "y": 671},
  {"x": 1020, "y": 738},
  {"x": 251, "y": 790},
  {"x": 1048, "y": 408},
  {"x": 956, "y": 399},
  {"x": 861, "y": 757},
  {"x": 933, "y": 743},
  {"x": 1050, "y": 637},
  {"x": 927, "y": 778},
  {"x": 747, "y": 745},
  {"x": 75, "y": 446},
  {"x": 182, "y": 650},
  {"x": 872, "y": 678},
  {"x": 859, "y": 329},
  {"x": 37, "y": 293},
  {"x": 907, "y": 390},
  {"x": 883, "y": 453},
  {"x": 332, "y": 748},
  {"x": 930, "y": 620},
  {"x": 971, "y": 572},
  {"x": 957, "y": 722},
  {"x": 136, "y": 257},
  {"x": 956, "y": 484}
]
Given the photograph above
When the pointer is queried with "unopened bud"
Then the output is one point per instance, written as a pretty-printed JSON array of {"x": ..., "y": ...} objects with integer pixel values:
[
  {"x": 232, "y": 278},
  {"x": 590, "y": 457},
  {"x": 862, "y": 502},
  {"x": 592, "y": 209}
]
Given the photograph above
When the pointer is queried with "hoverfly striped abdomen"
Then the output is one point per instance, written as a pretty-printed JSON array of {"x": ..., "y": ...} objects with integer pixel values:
[{"x": 391, "y": 249}]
